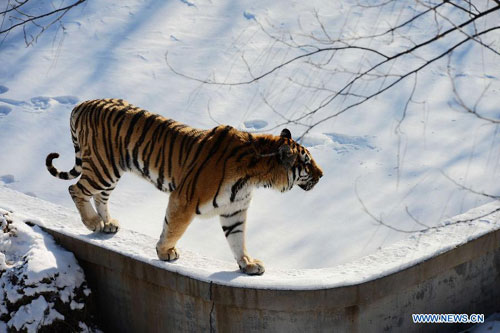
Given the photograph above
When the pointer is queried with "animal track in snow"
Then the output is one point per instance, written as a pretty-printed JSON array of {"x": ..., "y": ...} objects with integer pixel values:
[
  {"x": 40, "y": 102},
  {"x": 5, "y": 110},
  {"x": 35, "y": 104},
  {"x": 357, "y": 141},
  {"x": 188, "y": 3},
  {"x": 341, "y": 143},
  {"x": 13, "y": 102},
  {"x": 66, "y": 99},
  {"x": 255, "y": 124},
  {"x": 248, "y": 15},
  {"x": 7, "y": 179}
]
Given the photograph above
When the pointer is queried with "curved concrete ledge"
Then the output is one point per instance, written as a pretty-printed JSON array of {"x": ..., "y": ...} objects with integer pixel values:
[{"x": 453, "y": 269}]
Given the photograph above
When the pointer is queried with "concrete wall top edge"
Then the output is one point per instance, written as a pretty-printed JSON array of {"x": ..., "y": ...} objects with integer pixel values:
[{"x": 409, "y": 253}]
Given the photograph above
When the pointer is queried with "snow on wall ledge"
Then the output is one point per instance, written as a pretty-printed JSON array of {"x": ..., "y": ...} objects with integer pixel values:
[
  {"x": 415, "y": 249},
  {"x": 451, "y": 269}
]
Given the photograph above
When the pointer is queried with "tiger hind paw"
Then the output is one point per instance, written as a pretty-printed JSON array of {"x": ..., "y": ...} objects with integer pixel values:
[{"x": 95, "y": 224}]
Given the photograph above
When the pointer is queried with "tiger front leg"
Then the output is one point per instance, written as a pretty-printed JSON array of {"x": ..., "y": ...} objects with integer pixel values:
[
  {"x": 233, "y": 225},
  {"x": 175, "y": 224}
]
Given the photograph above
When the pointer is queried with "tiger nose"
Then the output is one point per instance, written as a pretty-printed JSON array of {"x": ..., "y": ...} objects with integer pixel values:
[{"x": 318, "y": 176}]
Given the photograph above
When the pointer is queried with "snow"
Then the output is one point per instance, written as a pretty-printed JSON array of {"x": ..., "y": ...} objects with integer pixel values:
[
  {"x": 117, "y": 49},
  {"x": 412, "y": 250},
  {"x": 32, "y": 315},
  {"x": 35, "y": 274}
]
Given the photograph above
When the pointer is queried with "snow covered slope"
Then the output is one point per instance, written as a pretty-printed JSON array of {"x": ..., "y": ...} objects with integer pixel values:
[
  {"x": 42, "y": 287},
  {"x": 117, "y": 49}
]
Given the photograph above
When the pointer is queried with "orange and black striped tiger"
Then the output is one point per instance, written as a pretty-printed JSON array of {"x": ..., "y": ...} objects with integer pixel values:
[{"x": 207, "y": 172}]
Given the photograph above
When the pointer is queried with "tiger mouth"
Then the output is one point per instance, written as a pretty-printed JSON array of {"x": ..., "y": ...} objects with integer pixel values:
[{"x": 308, "y": 186}]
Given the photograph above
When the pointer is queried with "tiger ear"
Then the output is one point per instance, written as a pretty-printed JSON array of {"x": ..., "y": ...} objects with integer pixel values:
[
  {"x": 286, "y": 156},
  {"x": 285, "y": 133}
]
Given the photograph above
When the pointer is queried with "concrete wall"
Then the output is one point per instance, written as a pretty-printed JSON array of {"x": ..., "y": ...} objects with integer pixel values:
[{"x": 134, "y": 296}]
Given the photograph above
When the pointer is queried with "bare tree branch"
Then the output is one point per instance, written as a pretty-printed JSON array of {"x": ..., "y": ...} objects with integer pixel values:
[
  {"x": 415, "y": 219},
  {"x": 398, "y": 132},
  {"x": 257, "y": 78},
  {"x": 462, "y": 30},
  {"x": 349, "y": 47},
  {"x": 381, "y": 222},
  {"x": 461, "y": 8},
  {"x": 380, "y": 71},
  {"x": 14, "y": 7},
  {"x": 468, "y": 189},
  {"x": 448, "y": 51},
  {"x": 463, "y": 105},
  {"x": 25, "y": 18},
  {"x": 405, "y": 23}
]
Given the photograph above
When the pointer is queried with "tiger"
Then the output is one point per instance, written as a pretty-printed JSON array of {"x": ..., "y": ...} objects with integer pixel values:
[{"x": 206, "y": 172}]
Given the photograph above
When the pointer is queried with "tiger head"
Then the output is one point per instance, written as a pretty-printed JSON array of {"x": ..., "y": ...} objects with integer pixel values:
[{"x": 301, "y": 168}]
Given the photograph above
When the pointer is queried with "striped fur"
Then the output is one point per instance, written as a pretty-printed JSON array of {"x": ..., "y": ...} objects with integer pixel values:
[{"x": 207, "y": 172}]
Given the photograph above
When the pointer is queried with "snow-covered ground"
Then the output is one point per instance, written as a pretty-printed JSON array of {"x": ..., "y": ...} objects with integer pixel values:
[
  {"x": 117, "y": 49},
  {"x": 38, "y": 281}
]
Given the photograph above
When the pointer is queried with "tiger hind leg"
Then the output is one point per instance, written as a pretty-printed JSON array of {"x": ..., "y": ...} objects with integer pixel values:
[
  {"x": 101, "y": 202},
  {"x": 81, "y": 197}
]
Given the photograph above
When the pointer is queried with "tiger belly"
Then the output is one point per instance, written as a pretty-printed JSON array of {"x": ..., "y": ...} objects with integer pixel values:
[{"x": 226, "y": 202}]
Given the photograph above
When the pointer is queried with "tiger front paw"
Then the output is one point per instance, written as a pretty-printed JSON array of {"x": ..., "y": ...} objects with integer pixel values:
[
  {"x": 111, "y": 227},
  {"x": 251, "y": 266},
  {"x": 167, "y": 255}
]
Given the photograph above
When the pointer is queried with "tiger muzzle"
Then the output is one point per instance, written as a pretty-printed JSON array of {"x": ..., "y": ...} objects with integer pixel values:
[{"x": 309, "y": 185}]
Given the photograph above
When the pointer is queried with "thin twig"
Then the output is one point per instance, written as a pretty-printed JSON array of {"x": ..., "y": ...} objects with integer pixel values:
[
  {"x": 14, "y": 7},
  {"x": 461, "y": 102},
  {"x": 466, "y": 188},
  {"x": 31, "y": 19},
  {"x": 272, "y": 70}
]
